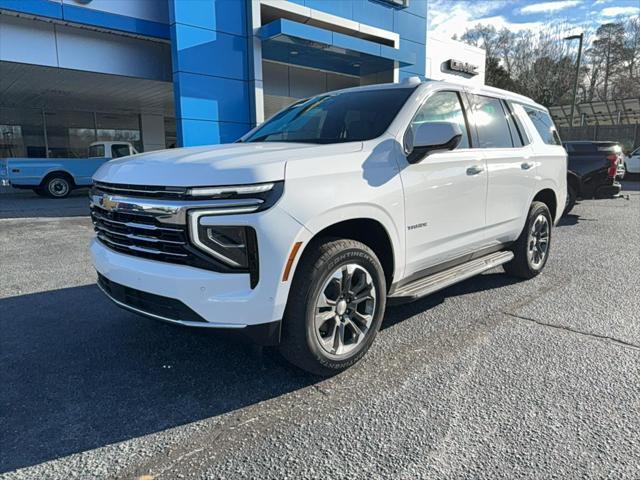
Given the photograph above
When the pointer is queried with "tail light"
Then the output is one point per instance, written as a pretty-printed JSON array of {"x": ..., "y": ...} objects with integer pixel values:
[{"x": 613, "y": 165}]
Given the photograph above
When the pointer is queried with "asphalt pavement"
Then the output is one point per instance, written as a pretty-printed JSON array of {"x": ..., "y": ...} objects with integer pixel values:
[{"x": 492, "y": 378}]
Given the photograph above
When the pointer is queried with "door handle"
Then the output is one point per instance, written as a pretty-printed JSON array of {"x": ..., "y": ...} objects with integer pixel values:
[
  {"x": 526, "y": 165},
  {"x": 475, "y": 170}
]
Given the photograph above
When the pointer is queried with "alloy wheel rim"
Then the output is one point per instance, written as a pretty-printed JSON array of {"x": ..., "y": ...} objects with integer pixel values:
[
  {"x": 344, "y": 309},
  {"x": 538, "y": 245},
  {"x": 58, "y": 187}
]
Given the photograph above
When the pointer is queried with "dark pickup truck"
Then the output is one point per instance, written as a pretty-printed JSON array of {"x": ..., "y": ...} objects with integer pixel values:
[{"x": 593, "y": 169}]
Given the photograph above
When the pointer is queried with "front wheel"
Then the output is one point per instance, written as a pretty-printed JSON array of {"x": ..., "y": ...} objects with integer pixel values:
[
  {"x": 335, "y": 307},
  {"x": 531, "y": 249}
]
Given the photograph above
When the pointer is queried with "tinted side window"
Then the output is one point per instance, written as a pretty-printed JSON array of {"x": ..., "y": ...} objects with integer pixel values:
[
  {"x": 544, "y": 125},
  {"x": 118, "y": 151},
  {"x": 491, "y": 122},
  {"x": 443, "y": 107},
  {"x": 518, "y": 133}
]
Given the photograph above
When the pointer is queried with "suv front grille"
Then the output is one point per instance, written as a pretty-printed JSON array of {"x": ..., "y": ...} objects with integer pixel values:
[
  {"x": 155, "y": 228},
  {"x": 141, "y": 235}
]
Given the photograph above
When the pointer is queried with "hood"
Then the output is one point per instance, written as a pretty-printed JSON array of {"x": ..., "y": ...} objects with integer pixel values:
[{"x": 229, "y": 164}]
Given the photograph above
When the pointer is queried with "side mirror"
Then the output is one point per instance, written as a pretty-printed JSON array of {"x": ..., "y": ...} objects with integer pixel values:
[{"x": 431, "y": 137}]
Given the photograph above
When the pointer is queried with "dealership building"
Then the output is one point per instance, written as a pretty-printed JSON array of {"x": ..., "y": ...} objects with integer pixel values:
[{"x": 163, "y": 73}]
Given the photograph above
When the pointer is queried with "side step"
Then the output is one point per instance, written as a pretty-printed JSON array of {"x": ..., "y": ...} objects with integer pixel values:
[{"x": 428, "y": 285}]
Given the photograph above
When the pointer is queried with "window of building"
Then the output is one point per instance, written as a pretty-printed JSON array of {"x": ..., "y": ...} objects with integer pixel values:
[
  {"x": 21, "y": 133},
  {"x": 443, "y": 107},
  {"x": 491, "y": 122},
  {"x": 544, "y": 125},
  {"x": 119, "y": 128},
  {"x": 69, "y": 133}
]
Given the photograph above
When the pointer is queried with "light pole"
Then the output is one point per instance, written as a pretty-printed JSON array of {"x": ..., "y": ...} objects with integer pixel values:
[{"x": 575, "y": 85}]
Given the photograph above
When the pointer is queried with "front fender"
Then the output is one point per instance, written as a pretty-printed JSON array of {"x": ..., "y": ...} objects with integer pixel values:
[{"x": 367, "y": 212}]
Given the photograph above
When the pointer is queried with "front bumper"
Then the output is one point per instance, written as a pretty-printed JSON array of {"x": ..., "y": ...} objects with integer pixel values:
[
  {"x": 214, "y": 299},
  {"x": 173, "y": 311}
]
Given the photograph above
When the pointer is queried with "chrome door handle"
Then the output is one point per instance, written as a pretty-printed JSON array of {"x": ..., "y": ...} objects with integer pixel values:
[
  {"x": 475, "y": 170},
  {"x": 526, "y": 165}
]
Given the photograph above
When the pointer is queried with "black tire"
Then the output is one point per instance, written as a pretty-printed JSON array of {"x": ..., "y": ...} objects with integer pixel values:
[
  {"x": 301, "y": 339},
  {"x": 40, "y": 192},
  {"x": 57, "y": 185},
  {"x": 571, "y": 200},
  {"x": 523, "y": 265}
]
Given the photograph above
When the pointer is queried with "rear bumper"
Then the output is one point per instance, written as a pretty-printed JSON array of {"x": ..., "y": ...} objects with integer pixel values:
[{"x": 606, "y": 191}]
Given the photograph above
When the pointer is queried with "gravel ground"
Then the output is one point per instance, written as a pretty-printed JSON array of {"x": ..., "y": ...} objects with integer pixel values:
[{"x": 492, "y": 378}]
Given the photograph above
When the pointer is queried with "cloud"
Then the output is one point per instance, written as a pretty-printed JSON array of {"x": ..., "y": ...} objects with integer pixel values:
[
  {"x": 448, "y": 18},
  {"x": 546, "y": 7},
  {"x": 617, "y": 11}
]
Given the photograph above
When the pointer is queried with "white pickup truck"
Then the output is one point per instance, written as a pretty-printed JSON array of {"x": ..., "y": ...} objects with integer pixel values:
[{"x": 300, "y": 233}]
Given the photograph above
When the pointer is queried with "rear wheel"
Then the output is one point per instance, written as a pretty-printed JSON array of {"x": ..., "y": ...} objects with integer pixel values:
[
  {"x": 335, "y": 307},
  {"x": 57, "y": 186},
  {"x": 531, "y": 249}
]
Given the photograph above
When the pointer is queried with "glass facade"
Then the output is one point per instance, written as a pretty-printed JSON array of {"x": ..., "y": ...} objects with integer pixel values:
[
  {"x": 37, "y": 133},
  {"x": 22, "y": 133}
]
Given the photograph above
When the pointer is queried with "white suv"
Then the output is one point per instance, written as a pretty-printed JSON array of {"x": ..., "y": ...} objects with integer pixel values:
[{"x": 301, "y": 232}]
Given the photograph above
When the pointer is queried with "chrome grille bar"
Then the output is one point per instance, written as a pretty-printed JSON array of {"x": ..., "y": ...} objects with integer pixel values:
[
  {"x": 141, "y": 226},
  {"x": 133, "y": 236},
  {"x": 136, "y": 248}
]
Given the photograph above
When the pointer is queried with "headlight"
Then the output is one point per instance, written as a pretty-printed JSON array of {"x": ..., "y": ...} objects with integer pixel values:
[
  {"x": 230, "y": 190},
  {"x": 236, "y": 247},
  {"x": 228, "y": 244}
]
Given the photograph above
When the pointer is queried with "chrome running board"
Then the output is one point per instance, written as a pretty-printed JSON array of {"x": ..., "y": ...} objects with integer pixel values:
[{"x": 432, "y": 283}]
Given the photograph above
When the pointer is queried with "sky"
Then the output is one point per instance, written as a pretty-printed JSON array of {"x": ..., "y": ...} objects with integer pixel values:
[{"x": 449, "y": 17}]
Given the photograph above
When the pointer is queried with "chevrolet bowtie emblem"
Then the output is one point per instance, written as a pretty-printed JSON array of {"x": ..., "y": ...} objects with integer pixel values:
[{"x": 108, "y": 203}]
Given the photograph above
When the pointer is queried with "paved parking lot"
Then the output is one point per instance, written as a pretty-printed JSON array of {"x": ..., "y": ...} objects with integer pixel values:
[{"x": 492, "y": 378}]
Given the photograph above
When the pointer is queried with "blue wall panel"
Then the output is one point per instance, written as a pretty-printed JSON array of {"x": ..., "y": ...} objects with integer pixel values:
[
  {"x": 196, "y": 101},
  {"x": 409, "y": 26},
  {"x": 204, "y": 132},
  {"x": 210, "y": 70},
  {"x": 45, "y": 8},
  {"x": 418, "y": 49},
  {"x": 221, "y": 15},
  {"x": 373, "y": 13},
  {"x": 211, "y": 57},
  {"x": 208, "y": 52},
  {"x": 88, "y": 16}
]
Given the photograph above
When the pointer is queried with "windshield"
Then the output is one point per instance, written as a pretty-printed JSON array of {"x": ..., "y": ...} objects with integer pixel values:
[{"x": 334, "y": 117}]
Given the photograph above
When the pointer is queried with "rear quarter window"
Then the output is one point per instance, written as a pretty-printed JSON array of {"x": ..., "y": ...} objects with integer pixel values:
[{"x": 544, "y": 125}]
